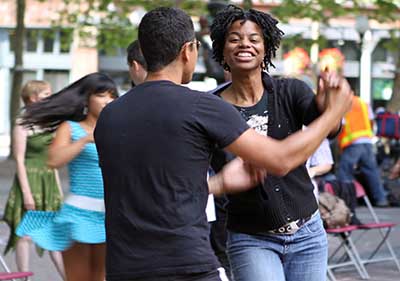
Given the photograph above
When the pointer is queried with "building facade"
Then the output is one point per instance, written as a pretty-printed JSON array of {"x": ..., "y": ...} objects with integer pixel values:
[{"x": 58, "y": 57}]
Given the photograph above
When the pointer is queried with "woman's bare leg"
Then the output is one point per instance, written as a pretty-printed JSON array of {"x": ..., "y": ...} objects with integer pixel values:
[
  {"x": 98, "y": 262},
  {"x": 22, "y": 252},
  {"x": 57, "y": 260},
  {"x": 77, "y": 262}
]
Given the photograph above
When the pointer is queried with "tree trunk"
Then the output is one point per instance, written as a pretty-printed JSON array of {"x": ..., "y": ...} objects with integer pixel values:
[
  {"x": 394, "y": 103},
  {"x": 18, "y": 65}
]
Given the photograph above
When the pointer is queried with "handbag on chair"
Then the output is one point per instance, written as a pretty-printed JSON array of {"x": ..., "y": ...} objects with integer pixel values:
[{"x": 334, "y": 212}]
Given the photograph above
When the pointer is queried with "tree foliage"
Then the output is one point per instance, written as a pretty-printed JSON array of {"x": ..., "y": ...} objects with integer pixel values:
[
  {"x": 316, "y": 10},
  {"x": 323, "y": 10},
  {"x": 384, "y": 11},
  {"x": 111, "y": 18}
]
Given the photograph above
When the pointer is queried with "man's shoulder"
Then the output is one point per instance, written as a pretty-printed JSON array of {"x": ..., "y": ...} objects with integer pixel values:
[{"x": 162, "y": 86}]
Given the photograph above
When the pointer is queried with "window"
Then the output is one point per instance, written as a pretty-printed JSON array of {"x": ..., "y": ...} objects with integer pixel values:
[
  {"x": 28, "y": 75},
  {"x": 380, "y": 53},
  {"x": 48, "y": 40},
  {"x": 350, "y": 49},
  {"x": 66, "y": 36},
  {"x": 122, "y": 79},
  {"x": 58, "y": 79},
  {"x": 31, "y": 40}
]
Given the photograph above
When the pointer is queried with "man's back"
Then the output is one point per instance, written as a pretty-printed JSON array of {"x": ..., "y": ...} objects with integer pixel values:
[{"x": 154, "y": 146}]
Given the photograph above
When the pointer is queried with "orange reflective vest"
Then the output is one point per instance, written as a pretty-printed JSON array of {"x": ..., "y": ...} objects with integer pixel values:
[{"x": 357, "y": 124}]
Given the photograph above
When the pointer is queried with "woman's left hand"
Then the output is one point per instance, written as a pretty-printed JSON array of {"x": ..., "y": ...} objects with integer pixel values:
[{"x": 326, "y": 82}]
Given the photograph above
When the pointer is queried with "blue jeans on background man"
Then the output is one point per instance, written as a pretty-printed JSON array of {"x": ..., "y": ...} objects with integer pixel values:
[
  {"x": 301, "y": 256},
  {"x": 362, "y": 155}
]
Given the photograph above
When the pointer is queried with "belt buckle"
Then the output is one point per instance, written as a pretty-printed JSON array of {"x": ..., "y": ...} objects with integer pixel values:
[
  {"x": 292, "y": 227},
  {"x": 289, "y": 228}
]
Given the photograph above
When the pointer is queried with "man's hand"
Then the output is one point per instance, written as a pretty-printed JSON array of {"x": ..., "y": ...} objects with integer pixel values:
[{"x": 237, "y": 176}]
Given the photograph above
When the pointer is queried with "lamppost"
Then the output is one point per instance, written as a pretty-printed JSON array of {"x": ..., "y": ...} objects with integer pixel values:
[{"x": 362, "y": 27}]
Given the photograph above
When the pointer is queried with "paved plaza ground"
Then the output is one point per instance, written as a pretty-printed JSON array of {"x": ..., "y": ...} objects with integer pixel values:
[{"x": 44, "y": 270}]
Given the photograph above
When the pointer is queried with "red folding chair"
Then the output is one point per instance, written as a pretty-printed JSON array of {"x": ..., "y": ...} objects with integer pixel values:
[
  {"x": 15, "y": 275},
  {"x": 8, "y": 275},
  {"x": 350, "y": 257},
  {"x": 384, "y": 229}
]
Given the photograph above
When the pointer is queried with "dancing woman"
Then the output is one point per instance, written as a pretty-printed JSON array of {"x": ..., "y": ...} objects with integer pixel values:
[{"x": 78, "y": 228}]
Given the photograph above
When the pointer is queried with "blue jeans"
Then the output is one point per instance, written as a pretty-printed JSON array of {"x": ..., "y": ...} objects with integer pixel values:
[
  {"x": 361, "y": 154},
  {"x": 301, "y": 256}
]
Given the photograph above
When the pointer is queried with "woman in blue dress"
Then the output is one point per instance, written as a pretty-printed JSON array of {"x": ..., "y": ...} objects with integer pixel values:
[{"x": 78, "y": 229}]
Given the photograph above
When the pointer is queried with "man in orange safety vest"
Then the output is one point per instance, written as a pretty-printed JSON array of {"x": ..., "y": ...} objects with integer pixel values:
[{"x": 355, "y": 142}]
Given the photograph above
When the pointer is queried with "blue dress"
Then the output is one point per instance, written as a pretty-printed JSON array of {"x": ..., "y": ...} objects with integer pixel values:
[{"x": 81, "y": 218}]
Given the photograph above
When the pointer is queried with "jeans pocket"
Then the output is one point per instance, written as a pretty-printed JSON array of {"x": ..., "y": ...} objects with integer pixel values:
[
  {"x": 314, "y": 225},
  {"x": 236, "y": 241}
]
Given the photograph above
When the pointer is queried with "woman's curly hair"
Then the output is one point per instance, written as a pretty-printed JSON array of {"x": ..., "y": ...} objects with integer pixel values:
[{"x": 224, "y": 19}]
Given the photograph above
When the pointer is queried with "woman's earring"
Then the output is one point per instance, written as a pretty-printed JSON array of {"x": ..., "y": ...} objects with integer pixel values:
[
  {"x": 263, "y": 66},
  {"x": 85, "y": 110},
  {"x": 225, "y": 66}
]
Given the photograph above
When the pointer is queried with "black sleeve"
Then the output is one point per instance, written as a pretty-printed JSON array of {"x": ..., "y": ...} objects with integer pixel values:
[
  {"x": 99, "y": 133},
  {"x": 221, "y": 121},
  {"x": 219, "y": 158},
  {"x": 305, "y": 104}
]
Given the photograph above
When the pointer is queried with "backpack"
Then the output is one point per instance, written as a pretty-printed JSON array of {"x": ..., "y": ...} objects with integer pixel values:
[
  {"x": 345, "y": 190},
  {"x": 334, "y": 212}
]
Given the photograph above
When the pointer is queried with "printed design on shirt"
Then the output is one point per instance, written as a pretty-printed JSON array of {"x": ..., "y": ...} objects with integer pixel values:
[{"x": 259, "y": 123}]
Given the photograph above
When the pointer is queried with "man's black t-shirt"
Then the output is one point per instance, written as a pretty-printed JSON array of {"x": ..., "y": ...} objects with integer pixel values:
[{"x": 154, "y": 146}]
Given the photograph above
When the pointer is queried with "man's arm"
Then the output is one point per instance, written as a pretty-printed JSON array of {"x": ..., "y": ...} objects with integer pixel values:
[
  {"x": 236, "y": 176},
  {"x": 280, "y": 157}
]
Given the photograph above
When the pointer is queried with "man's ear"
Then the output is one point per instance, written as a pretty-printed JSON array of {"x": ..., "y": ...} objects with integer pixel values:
[
  {"x": 185, "y": 52},
  {"x": 135, "y": 65}
]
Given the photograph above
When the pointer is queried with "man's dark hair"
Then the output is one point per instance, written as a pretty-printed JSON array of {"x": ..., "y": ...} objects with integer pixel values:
[
  {"x": 162, "y": 33},
  {"x": 135, "y": 54},
  {"x": 224, "y": 19}
]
